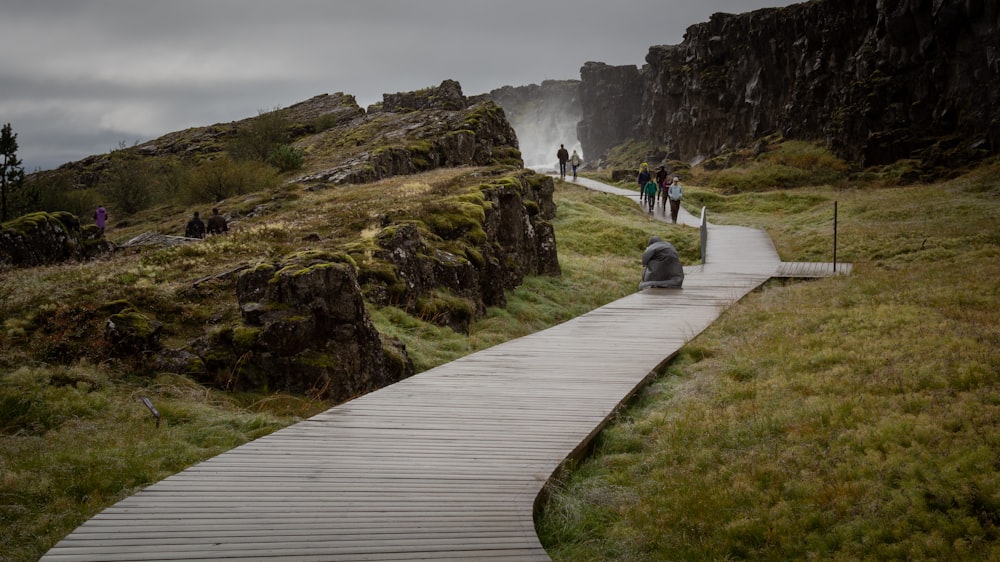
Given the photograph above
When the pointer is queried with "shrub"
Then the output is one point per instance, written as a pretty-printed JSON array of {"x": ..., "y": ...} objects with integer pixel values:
[
  {"x": 286, "y": 157},
  {"x": 258, "y": 137},
  {"x": 221, "y": 178},
  {"x": 128, "y": 183}
]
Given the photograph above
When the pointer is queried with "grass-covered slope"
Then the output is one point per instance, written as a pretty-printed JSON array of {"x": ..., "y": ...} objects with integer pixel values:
[{"x": 852, "y": 418}]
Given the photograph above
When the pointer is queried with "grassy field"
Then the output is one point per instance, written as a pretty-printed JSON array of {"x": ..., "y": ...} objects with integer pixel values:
[
  {"x": 836, "y": 419},
  {"x": 842, "y": 419}
]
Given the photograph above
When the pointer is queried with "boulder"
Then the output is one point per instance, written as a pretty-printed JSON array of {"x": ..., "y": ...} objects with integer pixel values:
[
  {"x": 305, "y": 329},
  {"x": 132, "y": 333}
]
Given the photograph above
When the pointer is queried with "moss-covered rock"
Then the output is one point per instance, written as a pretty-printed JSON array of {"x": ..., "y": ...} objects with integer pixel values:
[
  {"x": 132, "y": 333},
  {"x": 45, "y": 238}
]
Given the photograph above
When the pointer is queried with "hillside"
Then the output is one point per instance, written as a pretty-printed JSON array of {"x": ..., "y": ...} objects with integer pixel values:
[{"x": 290, "y": 292}]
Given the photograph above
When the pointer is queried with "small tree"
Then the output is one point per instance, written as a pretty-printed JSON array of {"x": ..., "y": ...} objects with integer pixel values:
[
  {"x": 127, "y": 182},
  {"x": 256, "y": 139},
  {"x": 11, "y": 171}
]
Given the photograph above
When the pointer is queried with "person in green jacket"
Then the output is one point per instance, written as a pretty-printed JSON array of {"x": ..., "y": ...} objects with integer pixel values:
[{"x": 650, "y": 190}]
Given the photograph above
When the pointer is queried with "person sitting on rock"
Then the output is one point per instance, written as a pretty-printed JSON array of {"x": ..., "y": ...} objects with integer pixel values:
[
  {"x": 661, "y": 266},
  {"x": 195, "y": 228},
  {"x": 217, "y": 223}
]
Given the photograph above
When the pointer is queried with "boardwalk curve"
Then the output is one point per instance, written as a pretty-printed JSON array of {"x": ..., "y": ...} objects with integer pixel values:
[{"x": 445, "y": 465}]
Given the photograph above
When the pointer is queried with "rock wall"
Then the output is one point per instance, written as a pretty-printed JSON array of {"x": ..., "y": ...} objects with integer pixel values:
[
  {"x": 611, "y": 100},
  {"x": 518, "y": 240},
  {"x": 875, "y": 80}
]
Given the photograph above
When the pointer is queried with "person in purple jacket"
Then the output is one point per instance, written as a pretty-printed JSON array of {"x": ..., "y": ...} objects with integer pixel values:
[{"x": 101, "y": 218}]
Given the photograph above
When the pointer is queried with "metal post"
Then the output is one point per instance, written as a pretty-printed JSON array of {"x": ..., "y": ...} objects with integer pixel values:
[
  {"x": 704, "y": 235},
  {"x": 835, "y": 237}
]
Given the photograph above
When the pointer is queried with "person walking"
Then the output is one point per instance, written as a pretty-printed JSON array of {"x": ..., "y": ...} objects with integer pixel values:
[
  {"x": 643, "y": 177},
  {"x": 650, "y": 190},
  {"x": 661, "y": 183},
  {"x": 575, "y": 161},
  {"x": 563, "y": 155},
  {"x": 101, "y": 218},
  {"x": 674, "y": 193},
  {"x": 217, "y": 223},
  {"x": 195, "y": 227}
]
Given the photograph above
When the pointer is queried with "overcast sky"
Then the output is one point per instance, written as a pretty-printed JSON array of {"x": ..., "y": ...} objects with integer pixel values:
[{"x": 81, "y": 77}]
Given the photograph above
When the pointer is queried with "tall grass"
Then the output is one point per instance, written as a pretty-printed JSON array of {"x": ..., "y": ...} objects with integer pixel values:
[{"x": 843, "y": 419}]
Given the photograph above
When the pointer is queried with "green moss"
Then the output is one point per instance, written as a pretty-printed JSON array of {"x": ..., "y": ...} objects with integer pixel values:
[
  {"x": 221, "y": 335},
  {"x": 318, "y": 360},
  {"x": 244, "y": 337},
  {"x": 115, "y": 306},
  {"x": 454, "y": 219},
  {"x": 475, "y": 257},
  {"x": 26, "y": 224},
  {"x": 378, "y": 271},
  {"x": 140, "y": 324},
  {"x": 439, "y": 304}
]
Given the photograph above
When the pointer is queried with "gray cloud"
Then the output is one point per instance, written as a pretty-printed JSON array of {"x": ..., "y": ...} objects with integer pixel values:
[{"x": 80, "y": 77}]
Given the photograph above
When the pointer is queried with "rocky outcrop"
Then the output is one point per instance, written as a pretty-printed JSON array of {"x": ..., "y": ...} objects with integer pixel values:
[
  {"x": 299, "y": 323},
  {"x": 129, "y": 332},
  {"x": 305, "y": 329},
  {"x": 304, "y": 324},
  {"x": 466, "y": 252},
  {"x": 876, "y": 81},
  {"x": 47, "y": 238},
  {"x": 414, "y": 132},
  {"x": 448, "y": 96},
  {"x": 544, "y": 116}
]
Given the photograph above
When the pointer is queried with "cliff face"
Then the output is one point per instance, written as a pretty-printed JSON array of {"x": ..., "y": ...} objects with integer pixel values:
[
  {"x": 876, "y": 80},
  {"x": 610, "y": 97}
]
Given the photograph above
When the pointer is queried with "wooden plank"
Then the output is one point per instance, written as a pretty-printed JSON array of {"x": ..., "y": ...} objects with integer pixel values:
[{"x": 445, "y": 465}]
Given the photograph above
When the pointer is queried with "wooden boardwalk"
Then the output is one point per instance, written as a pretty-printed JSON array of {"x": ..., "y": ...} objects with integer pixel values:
[{"x": 446, "y": 465}]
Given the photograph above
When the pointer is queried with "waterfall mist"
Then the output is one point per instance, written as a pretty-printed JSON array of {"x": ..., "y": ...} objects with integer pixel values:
[{"x": 543, "y": 117}]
